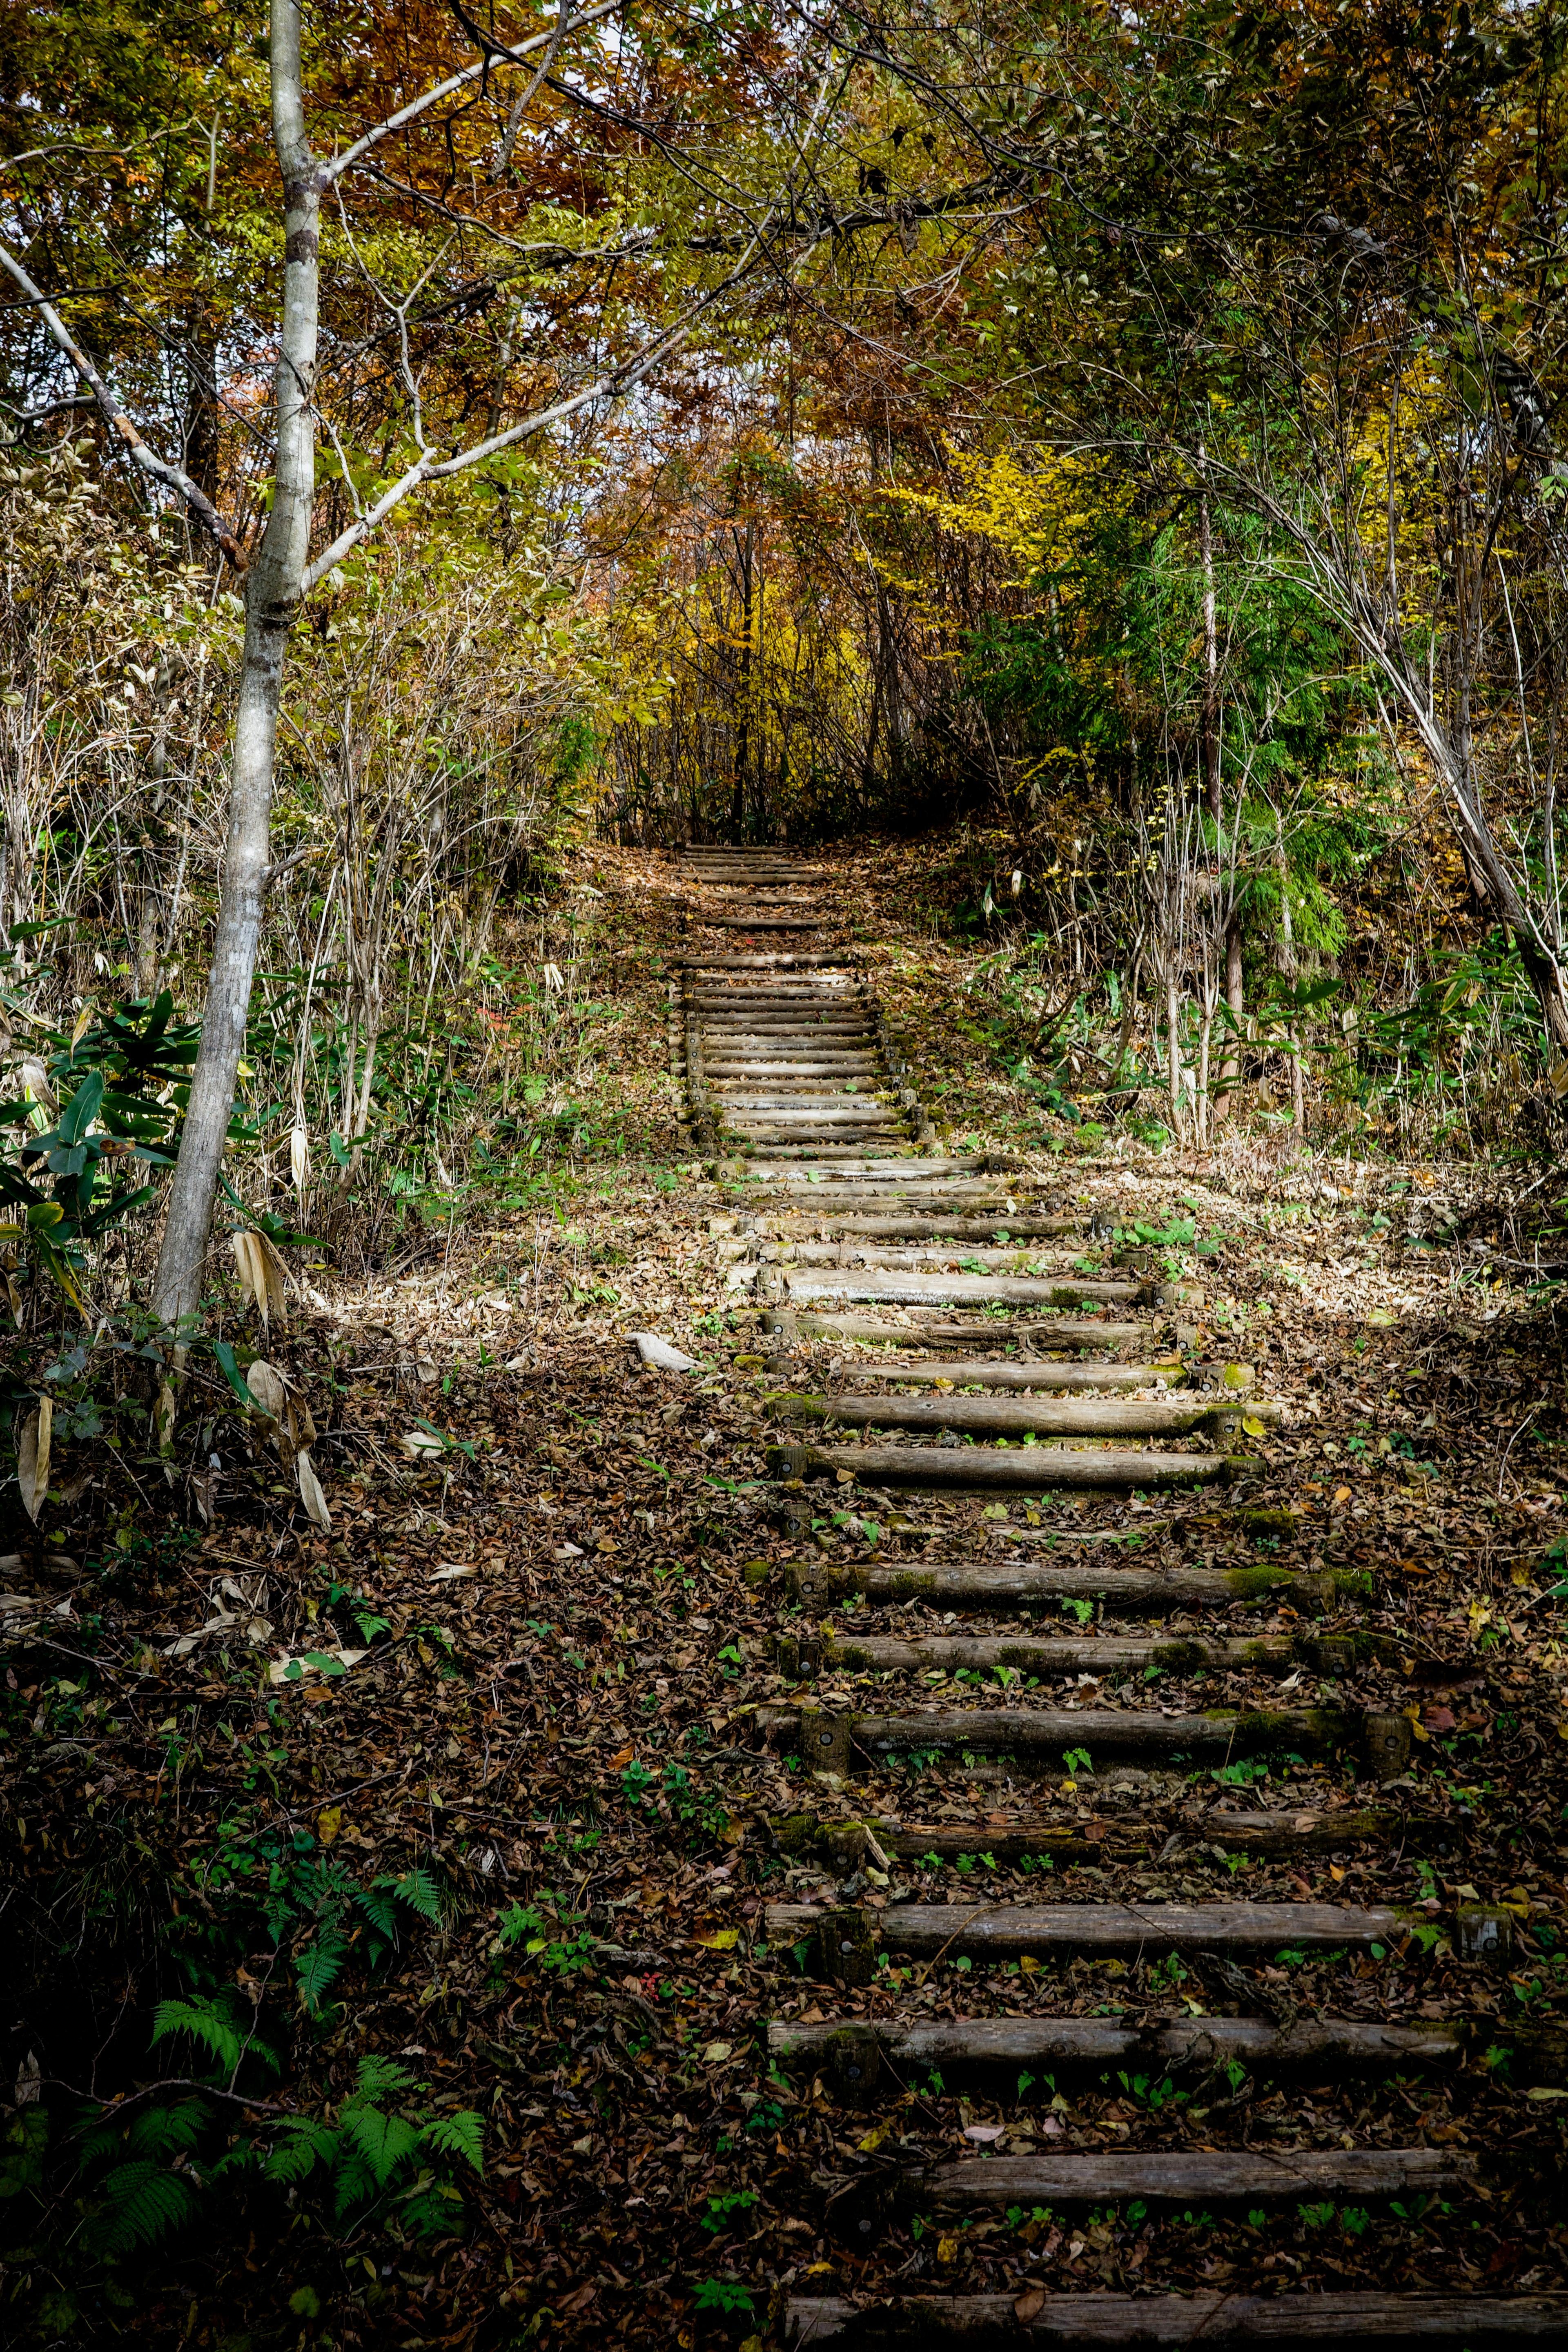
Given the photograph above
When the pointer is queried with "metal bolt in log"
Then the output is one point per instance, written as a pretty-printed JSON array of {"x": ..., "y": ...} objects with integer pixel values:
[
  {"x": 854, "y": 2063},
  {"x": 826, "y": 1740},
  {"x": 846, "y": 1946},
  {"x": 1483, "y": 1934},
  {"x": 1385, "y": 1744}
]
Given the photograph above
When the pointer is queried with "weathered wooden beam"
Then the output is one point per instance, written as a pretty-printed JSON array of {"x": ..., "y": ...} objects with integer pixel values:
[
  {"x": 1030, "y": 1470},
  {"x": 1042, "y": 1736},
  {"x": 1293, "y": 2322},
  {"x": 1068, "y": 1931},
  {"x": 1037, "y": 1416},
  {"x": 1000, "y": 1373},
  {"x": 1045, "y": 1584}
]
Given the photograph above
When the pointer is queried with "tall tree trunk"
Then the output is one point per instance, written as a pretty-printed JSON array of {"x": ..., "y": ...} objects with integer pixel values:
[
  {"x": 1214, "y": 793},
  {"x": 272, "y": 596}
]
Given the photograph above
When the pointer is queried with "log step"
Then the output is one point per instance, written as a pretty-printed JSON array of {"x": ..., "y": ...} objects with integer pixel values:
[
  {"x": 991, "y": 1374},
  {"x": 1122, "y": 1836},
  {"x": 865, "y": 1285},
  {"x": 1021, "y": 1417},
  {"x": 861, "y": 2059},
  {"x": 1064, "y": 1331},
  {"x": 1106, "y": 1654},
  {"x": 1293, "y": 2322},
  {"x": 1045, "y": 1584},
  {"x": 1031, "y": 1470},
  {"x": 1213, "y": 2176},
  {"x": 1041, "y": 1738},
  {"x": 844, "y": 1941}
]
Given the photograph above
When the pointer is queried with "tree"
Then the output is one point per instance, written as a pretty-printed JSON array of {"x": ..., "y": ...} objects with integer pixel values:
[{"x": 693, "y": 215}]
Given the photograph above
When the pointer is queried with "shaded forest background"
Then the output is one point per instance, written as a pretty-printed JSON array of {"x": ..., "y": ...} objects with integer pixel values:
[{"x": 1133, "y": 446}]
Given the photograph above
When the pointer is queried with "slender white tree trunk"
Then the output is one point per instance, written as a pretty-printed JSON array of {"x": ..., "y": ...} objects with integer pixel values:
[{"x": 272, "y": 596}]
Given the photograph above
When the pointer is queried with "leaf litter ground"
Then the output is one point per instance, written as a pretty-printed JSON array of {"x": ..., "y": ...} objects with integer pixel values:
[{"x": 524, "y": 1665}]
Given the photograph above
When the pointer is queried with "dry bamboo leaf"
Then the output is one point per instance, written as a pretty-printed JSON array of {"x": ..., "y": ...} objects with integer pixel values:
[
  {"x": 311, "y": 1492},
  {"x": 302, "y": 1424},
  {"x": 163, "y": 1416},
  {"x": 299, "y": 1158},
  {"x": 265, "y": 1385},
  {"x": 252, "y": 1274},
  {"x": 275, "y": 1275},
  {"x": 33, "y": 1458}
]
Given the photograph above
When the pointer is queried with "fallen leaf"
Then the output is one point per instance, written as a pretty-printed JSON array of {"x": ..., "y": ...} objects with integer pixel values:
[
  {"x": 33, "y": 1458},
  {"x": 1029, "y": 2305},
  {"x": 718, "y": 2050},
  {"x": 311, "y": 1493},
  {"x": 985, "y": 2135},
  {"x": 1439, "y": 1718},
  {"x": 1341, "y": 1495},
  {"x": 719, "y": 1939},
  {"x": 329, "y": 1821}
]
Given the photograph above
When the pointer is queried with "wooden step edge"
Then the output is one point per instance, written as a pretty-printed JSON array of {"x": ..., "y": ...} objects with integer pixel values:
[
  {"x": 1042, "y": 1584},
  {"x": 863, "y": 2060},
  {"x": 1105, "y": 1656},
  {"x": 831, "y": 1739},
  {"x": 990, "y": 1416},
  {"x": 1118, "y": 1836},
  {"x": 844, "y": 1941},
  {"x": 1034, "y": 1469},
  {"x": 1291, "y": 2322}
]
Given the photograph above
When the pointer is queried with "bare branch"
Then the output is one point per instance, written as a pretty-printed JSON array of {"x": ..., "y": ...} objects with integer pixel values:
[
  {"x": 497, "y": 56},
  {"x": 157, "y": 469},
  {"x": 428, "y": 467}
]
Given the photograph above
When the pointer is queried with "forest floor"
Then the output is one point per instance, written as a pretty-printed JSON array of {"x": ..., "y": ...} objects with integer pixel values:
[{"x": 511, "y": 1686}]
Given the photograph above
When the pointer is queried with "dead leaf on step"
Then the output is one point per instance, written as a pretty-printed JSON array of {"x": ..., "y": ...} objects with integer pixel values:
[{"x": 1029, "y": 2305}]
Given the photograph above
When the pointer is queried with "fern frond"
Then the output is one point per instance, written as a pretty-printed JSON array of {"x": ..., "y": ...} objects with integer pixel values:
[
  {"x": 158, "y": 2131},
  {"x": 138, "y": 2203},
  {"x": 305, "y": 2143},
  {"x": 210, "y": 2023},
  {"x": 384, "y": 2141},
  {"x": 382, "y": 2078},
  {"x": 419, "y": 1891},
  {"x": 460, "y": 2135},
  {"x": 355, "y": 2185},
  {"x": 319, "y": 1966},
  {"x": 377, "y": 1903}
]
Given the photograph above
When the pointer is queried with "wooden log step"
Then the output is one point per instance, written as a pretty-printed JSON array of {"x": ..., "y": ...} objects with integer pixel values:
[
  {"x": 1291, "y": 2322},
  {"x": 1040, "y": 1416},
  {"x": 1124, "y": 1836},
  {"x": 990, "y": 1373},
  {"x": 787, "y": 958},
  {"x": 1041, "y": 1738},
  {"x": 844, "y": 1941},
  {"x": 1212, "y": 2177},
  {"x": 1031, "y": 1470},
  {"x": 862, "y": 2060},
  {"x": 864, "y": 1286},
  {"x": 760, "y": 921},
  {"x": 933, "y": 1168},
  {"x": 1105, "y": 1654},
  {"x": 896, "y": 1257},
  {"x": 1064, "y": 1331},
  {"x": 1020, "y": 1584},
  {"x": 1022, "y": 1228}
]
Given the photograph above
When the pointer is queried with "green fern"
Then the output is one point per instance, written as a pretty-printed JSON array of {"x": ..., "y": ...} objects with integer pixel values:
[
  {"x": 419, "y": 1891},
  {"x": 382, "y": 2078},
  {"x": 305, "y": 2142},
  {"x": 460, "y": 2135},
  {"x": 137, "y": 2204},
  {"x": 384, "y": 2141},
  {"x": 318, "y": 1968},
  {"x": 219, "y": 2026}
]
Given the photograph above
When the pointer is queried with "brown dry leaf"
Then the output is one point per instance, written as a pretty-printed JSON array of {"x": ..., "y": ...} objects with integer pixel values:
[
  {"x": 265, "y": 1385},
  {"x": 1029, "y": 2305},
  {"x": 33, "y": 1458},
  {"x": 262, "y": 1274},
  {"x": 311, "y": 1492}
]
